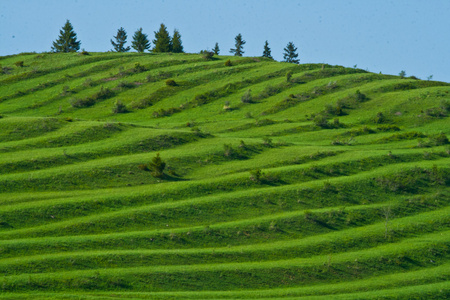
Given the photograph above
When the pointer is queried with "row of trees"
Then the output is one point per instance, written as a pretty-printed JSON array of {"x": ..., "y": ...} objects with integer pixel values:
[
  {"x": 290, "y": 52},
  {"x": 163, "y": 42}
]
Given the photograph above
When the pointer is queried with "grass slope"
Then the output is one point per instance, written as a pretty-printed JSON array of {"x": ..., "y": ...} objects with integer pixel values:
[{"x": 332, "y": 184}]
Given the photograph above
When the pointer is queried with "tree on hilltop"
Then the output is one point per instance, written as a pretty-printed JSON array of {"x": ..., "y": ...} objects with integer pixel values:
[
  {"x": 162, "y": 41},
  {"x": 177, "y": 47},
  {"x": 216, "y": 49},
  {"x": 140, "y": 41},
  {"x": 121, "y": 40},
  {"x": 239, "y": 44},
  {"x": 267, "y": 52},
  {"x": 290, "y": 54},
  {"x": 67, "y": 40}
]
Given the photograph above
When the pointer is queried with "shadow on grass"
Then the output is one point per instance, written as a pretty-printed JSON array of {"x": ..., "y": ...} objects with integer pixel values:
[{"x": 173, "y": 177}]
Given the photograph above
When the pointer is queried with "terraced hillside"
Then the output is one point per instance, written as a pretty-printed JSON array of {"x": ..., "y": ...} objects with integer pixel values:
[{"x": 328, "y": 182}]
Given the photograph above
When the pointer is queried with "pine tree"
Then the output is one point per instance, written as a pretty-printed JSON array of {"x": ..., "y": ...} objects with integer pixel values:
[
  {"x": 162, "y": 41},
  {"x": 267, "y": 52},
  {"x": 239, "y": 44},
  {"x": 157, "y": 167},
  {"x": 67, "y": 40},
  {"x": 216, "y": 49},
  {"x": 290, "y": 54},
  {"x": 177, "y": 47},
  {"x": 121, "y": 40},
  {"x": 140, "y": 41}
]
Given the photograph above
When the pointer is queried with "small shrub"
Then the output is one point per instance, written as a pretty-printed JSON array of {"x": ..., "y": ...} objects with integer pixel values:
[
  {"x": 328, "y": 187},
  {"x": 248, "y": 115},
  {"x": 143, "y": 167},
  {"x": 440, "y": 111},
  {"x": 228, "y": 150},
  {"x": 309, "y": 215},
  {"x": 80, "y": 103},
  {"x": 197, "y": 131},
  {"x": 342, "y": 142},
  {"x": 207, "y": 55},
  {"x": 256, "y": 175},
  {"x": 5, "y": 70},
  {"x": 445, "y": 105},
  {"x": 421, "y": 143},
  {"x": 402, "y": 136},
  {"x": 119, "y": 108},
  {"x": 360, "y": 97},
  {"x": 138, "y": 68},
  {"x": 228, "y": 63},
  {"x": 336, "y": 123},
  {"x": 379, "y": 118},
  {"x": 270, "y": 178},
  {"x": 165, "y": 112},
  {"x": 333, "y": 110},
  {"x": 264, "y": 122},
  {"x": 227, "y": 106},
  {"x": 65, "y": 90},
  {"x": 385, "y": 128},
  {"x": 84, "y": 52},
  {"x": 402, "y": 74},
  {"x": 438, "y": 139},
  {"x": 268, "y": 91},
  {"x": 103, "y": 94},
  {"x": 320, "y": 121},
  {"x": 88, "y": 82},
  {"x": 171, "y": 82},
  {"x": 247, "y": 97},
  {"x": 267, "y": 142},
  {"x": 159, "y": 76},
  {"x": 288, "y": 76},
  {"x": 19, "y": 64},
  {"x": 360, "y": 131},
  {"x": 142, "y": 103},
  {"x": 331, "y": 85}
]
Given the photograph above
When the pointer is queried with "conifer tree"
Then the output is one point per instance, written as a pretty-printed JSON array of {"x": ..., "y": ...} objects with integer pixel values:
[
  {"x": 290, "y": 54},
  {"x": 216, "y": 49},
  {"x": 177, "y": 47},
  {"x": 239, "y": 44},
  {"x": 267, "y": 52},
  {"x": 121, "y": 40},
  {"x": 162, "y": 41},
  {"x": 67, "y": 40},
  {"x": 157, "y": 167},
  {"x": 140, "y": 41}
]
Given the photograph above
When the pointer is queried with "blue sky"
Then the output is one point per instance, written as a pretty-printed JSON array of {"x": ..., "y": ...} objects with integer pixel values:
[{"x": 377, "y": 35}]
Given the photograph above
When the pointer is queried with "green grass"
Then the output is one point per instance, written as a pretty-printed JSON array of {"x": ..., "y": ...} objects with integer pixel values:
[{"x": 357, "y": 208}]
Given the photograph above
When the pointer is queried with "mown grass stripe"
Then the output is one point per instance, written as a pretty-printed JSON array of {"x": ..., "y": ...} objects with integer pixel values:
[
  {"x": 327, "y": 244},
  {"x": 395, "y": 257}
]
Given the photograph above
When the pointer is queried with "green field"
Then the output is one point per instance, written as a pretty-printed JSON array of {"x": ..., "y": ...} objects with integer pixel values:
[{"x": 334, "y": 184}]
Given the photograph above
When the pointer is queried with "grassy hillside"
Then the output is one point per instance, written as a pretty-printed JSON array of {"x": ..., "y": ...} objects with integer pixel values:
[{"x": 329, "y": 182}]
